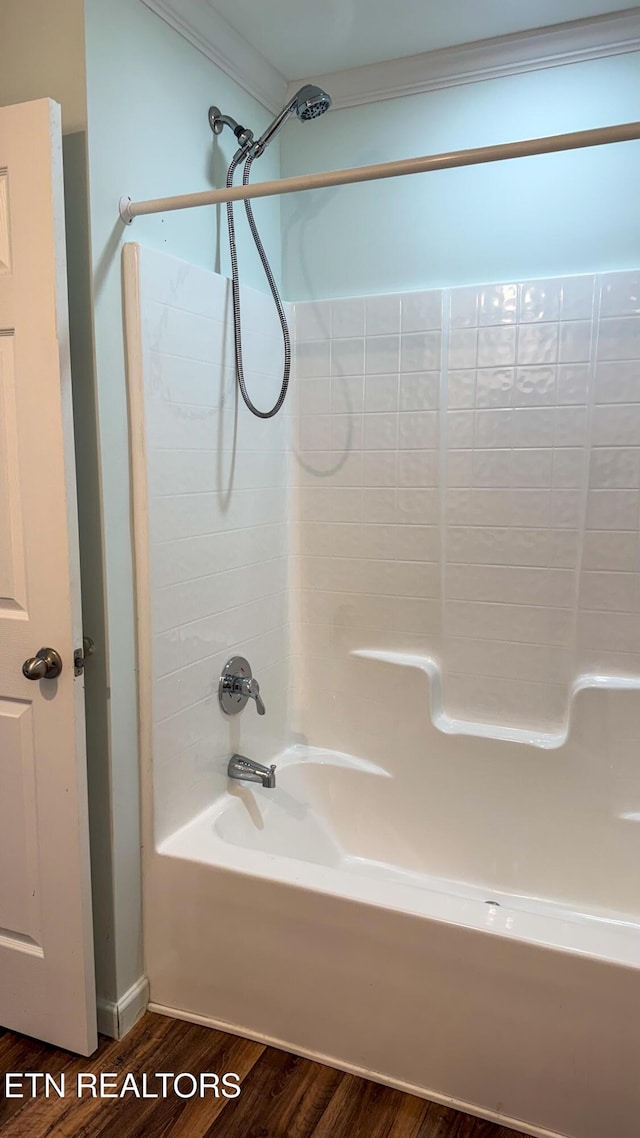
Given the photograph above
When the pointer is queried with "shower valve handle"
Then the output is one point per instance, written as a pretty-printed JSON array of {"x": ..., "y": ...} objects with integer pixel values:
[{"x": 251, "y": 688}]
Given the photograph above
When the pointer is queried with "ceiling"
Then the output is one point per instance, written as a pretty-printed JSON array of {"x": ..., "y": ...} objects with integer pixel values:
[{"x": 302, "y": 39}]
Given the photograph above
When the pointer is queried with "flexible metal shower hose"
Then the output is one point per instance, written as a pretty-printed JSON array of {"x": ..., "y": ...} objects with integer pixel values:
[{"x": 237, "y": 322}]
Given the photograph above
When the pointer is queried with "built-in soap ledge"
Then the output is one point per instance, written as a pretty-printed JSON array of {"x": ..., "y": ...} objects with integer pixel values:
[{"x": 547, "y": 740}]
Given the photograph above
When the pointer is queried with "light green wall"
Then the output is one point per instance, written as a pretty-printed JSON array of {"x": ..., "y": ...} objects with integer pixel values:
[
  {"x": 148, "y": 93},
  {"x": 533, "y": 217}
]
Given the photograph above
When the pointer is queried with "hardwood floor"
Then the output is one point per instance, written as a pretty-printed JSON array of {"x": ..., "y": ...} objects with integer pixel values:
[{"x": 282, "y": 1096}]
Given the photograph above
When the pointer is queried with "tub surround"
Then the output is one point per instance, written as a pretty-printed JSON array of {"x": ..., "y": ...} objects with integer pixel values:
[
  {"x": 453, "y": 491},
  {"x": 468, "y": 475},
  {"x": 216, "y": 489},
  {"x": 449, "y": 726}
]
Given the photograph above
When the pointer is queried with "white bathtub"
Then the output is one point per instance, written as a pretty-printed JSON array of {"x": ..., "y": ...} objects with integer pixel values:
[{"x": 278, "y": 915}]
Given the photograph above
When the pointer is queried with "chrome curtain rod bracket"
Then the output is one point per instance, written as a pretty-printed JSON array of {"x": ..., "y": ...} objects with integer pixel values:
[{"x": 553, "y": 144}]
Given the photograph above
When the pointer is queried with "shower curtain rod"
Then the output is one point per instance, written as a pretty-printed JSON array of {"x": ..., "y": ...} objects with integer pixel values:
[{"x": 623, "y": 132}]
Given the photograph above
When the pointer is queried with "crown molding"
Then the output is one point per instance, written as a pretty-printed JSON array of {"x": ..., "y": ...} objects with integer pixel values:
[
  {"x": 574, "y": 42},
  {"x": 204, "y": 28},
  {"x": 571, "y": 42}
]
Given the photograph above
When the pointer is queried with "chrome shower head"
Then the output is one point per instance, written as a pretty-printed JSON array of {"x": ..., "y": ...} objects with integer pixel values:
[
  {"x": 308, "y": 103},
  {"x": 311, "y": 102}
]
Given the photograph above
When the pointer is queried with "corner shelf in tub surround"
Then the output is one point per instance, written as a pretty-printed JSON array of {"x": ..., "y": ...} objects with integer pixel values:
[{"x": 547, "y": 740}]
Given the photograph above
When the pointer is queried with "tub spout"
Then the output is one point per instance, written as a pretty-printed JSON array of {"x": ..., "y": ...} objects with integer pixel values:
[{"x": 250, "y": 771}]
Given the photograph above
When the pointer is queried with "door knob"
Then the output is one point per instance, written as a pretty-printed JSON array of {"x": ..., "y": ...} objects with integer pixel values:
[{"x": 45, "y": 665}]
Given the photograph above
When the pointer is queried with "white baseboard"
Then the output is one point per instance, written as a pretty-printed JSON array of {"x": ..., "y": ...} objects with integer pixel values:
[
  {"x": 116, "y": 1020},
  {"x": 516, "y": 1124}
]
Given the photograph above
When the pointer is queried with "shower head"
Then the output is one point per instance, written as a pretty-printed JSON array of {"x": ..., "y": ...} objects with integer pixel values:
[
  {"x": 311, "y": 102},
  {"x": 308, "y": 103}
]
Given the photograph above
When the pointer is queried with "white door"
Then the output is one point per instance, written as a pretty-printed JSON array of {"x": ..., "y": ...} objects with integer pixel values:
[{"x": 47, "y": 986}]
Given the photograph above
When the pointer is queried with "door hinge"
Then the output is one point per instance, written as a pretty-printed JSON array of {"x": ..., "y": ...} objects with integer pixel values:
[{"x": 81, "y": 655}]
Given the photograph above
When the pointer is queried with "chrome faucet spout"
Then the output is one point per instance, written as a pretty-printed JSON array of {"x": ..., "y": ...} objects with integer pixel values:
[{"x": 249, "y": 771}]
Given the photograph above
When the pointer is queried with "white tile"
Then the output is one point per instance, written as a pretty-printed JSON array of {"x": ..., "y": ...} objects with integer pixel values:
[
  {"x": 380, "y": 432},
  {"x": 347, "y": 357},
  {"x": 570, "y": 426},
  {"x": 311, "y": 359},
  {"x": 379, "y": 467},
  {"x": 577, "y": 298},
  {"x": 382, "y": 314},
  {"x": 460, "y": 467},
  {"x": 418, "y": 430},
  {"x": 460, "y": 429},
  {"x": 612, "y": 509},
  {"x": 421, "y": 311},
  {"x": 381, "y": 393},
  {"x": 540, "y": 301},
  {"x": 538, "y": 343},
  {"x": 573, "y": 384},
  {"x": 513, "y": 546},
  {"x": 615, "y": 468},
  {"x": 461, "y": 388},
  {"x": 491, "y": 468},
  {"x": 166, "y": 652},
  {"x": 382, "y": 355},
  {"x": 575, "y": 341},
  {"x": 346, "y": 433},
  {"x": 618, "y": 382},
  {"x": 610, "y": 592},
  {"x": 313, "y": 396},
  {"x": 532, "y": 427},
  {"x": 511, "y": 585},
  {"x": 464, "y": 308},
  {"x": 497, "y": 347},
  {"x": 530, "y": 624},
  {"x": 509, "y": 702},
  {"x": 420, "y": 391},
  {"x": 347, "y": 394},
  {"x": 418, "y": 468},
  {"x": 493, "y": 428},
  {"x": 379, "y": 504},
  {"x": 498, "y": 304},
  {"x": 619, "y": 338},
  {"x": 347, "y": 318},
  {"x": 569, "y": 468},
  {"x": 463, "y": 348},
  {"x": 535, "y": 386},
  {"x": 459, "y": 506},
  {"x": 534, "y": 662},
  {"x": 420, "y": 351},
  {"x": 609, "y": 632},
  {"x": 617, "y": 426},
  {"x": 418, "y": 506},
  {"x": 313, "y": 320},
  {"x": 610, "y": 550},
  {"x": 621, "y": 294},
  {"x": 494, "y": 387},
  {"x": 567, "y": 509},
  {"x": 314, "y": 432},
  {"x": 530, "y": 508},
  {"x": 531, "y": 468}
]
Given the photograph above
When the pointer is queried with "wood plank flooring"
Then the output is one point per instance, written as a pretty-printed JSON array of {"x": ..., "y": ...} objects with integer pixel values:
[{"x": 282, "y": 1095}]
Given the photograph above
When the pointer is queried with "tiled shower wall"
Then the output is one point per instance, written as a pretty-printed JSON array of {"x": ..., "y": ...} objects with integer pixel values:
[
  {"x": 464, "y": 485},
  {"x": 218, "y": 550},
  {"x": 468, "y": 475}
]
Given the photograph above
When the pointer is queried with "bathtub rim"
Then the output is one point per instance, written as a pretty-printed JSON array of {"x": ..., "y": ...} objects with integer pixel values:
[{"x": 578, "y": 933}]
